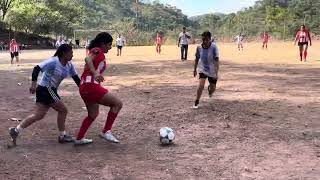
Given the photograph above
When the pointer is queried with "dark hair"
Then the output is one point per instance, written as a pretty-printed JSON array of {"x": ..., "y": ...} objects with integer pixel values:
[
  {"x": 184, "y": 27},
  {"x": 206, "y": 34},
  {"x": 101, "y": 38},
  {"x": 64, "y": 48},
  {"x": 303, "y": 26}
]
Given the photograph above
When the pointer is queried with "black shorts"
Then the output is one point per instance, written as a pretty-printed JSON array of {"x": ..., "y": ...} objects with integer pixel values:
[
  {"x": 119, "y": 47},
  {"x": 210, "y": 79},
  {"x": 47, "y": 95},
  {"x": 303, "y": 43},
  {"x": 14, "y": 54}
]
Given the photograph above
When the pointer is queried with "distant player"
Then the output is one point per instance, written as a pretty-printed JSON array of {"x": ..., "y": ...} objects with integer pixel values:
[
  {"x": 54, "y": 70},
  {"x": 240, "y": 39},
  {"x": 120, "y": 44},
  {"x": 206, "y": 66},
  {"x": 265, "y": 38},
  {"x": 183, "y": 43},
  {"x": 14, "y": 50},
  {"x": 159, "y": 42},
  {"x": 303, "y": 38},
  {"x": 93, "y": 93}
]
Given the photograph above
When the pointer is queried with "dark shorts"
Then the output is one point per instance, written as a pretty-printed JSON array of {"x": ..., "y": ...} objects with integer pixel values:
[
  {"x": 47, "y": 95},
  {"x": 14, "y": 54},
  {"x": 303, "y": 43},
  {"x": 119, "y": 47},
  {"x": 210, "y": 79}
]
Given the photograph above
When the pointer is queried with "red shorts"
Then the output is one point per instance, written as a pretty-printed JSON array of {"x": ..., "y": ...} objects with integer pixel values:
[{"x": 91, "y": 92}]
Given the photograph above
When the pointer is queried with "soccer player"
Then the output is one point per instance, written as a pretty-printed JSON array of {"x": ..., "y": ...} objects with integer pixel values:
[
  {"x": 120, "y": 44},
  {"x": 54, "y": 70},
  {"x": 303, "y": 38},
  {"x": 265, "y": 38},
  {"x": 206, "y": 66},
  {"x": 183, "y": 42},
  {"x": 14, "y": 50},
  {"x": 93, "y": 93},
  {"x": 240, "y": 39},
  {"x": 159, "y": 41}
]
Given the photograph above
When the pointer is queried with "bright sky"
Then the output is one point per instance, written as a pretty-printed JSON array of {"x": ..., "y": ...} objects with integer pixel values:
[{"x": 199, "y": 7}]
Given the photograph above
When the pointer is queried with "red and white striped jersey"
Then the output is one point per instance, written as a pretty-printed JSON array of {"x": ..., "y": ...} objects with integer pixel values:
[
  {"x": 14, "y": 47},
  {"x": 303, "y": 36}
]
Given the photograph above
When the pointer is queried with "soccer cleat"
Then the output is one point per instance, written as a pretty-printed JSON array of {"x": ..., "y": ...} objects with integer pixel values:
[
  {"x": 196, "y": 105},
  {"x": 109, "y": 137},
  {"x": 82, "y": 141},
  {"x": 13, "y": 135},
  {"x": 65, "y": 139}
]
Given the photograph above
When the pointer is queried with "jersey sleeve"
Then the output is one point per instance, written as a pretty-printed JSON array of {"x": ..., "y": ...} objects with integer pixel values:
[
  {"x": 198, "y": 53},
  {"x": 215, "y": 51},
  {"x": 72, "y": 70},
  {"x": 48, "y": 64}
]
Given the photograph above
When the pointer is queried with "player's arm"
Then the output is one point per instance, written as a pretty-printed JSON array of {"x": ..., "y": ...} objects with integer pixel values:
[
  {"x": 196, "y": 62},
  {"x": 188, "y": 36},
  {"x": 98, "y": 77},
  {"x": 310, "y": 38},
  {"x": 179, "y": 41},
  {"x": 34, "y": 78},
  {"x": 296, "y": 39}
]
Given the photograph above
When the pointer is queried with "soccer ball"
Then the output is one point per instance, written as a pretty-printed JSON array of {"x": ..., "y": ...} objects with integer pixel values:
[{"x": 166, "y": 135}]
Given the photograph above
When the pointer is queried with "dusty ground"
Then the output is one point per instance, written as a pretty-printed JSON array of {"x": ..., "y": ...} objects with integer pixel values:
[{"x": 263, "y": 122}]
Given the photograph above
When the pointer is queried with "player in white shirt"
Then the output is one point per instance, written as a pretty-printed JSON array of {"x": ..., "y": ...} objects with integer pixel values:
[
  {"x": 240, "y": 39},
  {"x": 120, "y": 44},
  {"x": 183, "y": 42},
  {"x": 54, "y": 70}
]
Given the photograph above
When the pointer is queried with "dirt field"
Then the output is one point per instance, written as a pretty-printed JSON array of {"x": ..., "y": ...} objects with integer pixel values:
[{"x": 263, "y": 122}]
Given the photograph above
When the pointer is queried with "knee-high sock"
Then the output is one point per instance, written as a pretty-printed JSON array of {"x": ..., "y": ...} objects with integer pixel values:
[
  {"x": 110, "y": 120},
  {"x": 84, "y": 127}
]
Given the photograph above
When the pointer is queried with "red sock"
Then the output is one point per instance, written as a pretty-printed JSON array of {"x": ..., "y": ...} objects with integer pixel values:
[
  {"x": 305, "y": 54},
  {"x": 84, "y": 127},
  {"x": 110, "y": 120},
  {"x": 301, "y": 56}
]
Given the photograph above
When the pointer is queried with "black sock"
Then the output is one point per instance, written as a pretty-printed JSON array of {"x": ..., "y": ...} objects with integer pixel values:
[{"x": 196, "y": 102}]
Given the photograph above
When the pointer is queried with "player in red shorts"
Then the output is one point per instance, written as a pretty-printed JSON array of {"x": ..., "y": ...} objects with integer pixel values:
[
  {"x": 93, "y": 94},
  {"x": 265, "y": 38},
  {"x": 303, "y": 38},
  {"x": 159, "y": 41}
]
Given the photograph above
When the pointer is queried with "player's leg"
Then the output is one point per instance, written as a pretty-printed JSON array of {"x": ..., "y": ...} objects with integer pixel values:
[
  {"x": 301, "y": 51},
  {"x": 40, "y": 111},
  {"x": 118, "y": 50},
  {"x": 17, "y": 56},
  {"x": 12, "y": 56},
  {"x": 186, "y": 52},
  {"x": 212, "y": 86},
  {"x": 61, "y": 119},
  {"x": 115, "y": 105},
  {"x": 121, "y": 50},
  {"x": 202, "y": 82},
  {"x": 305, "y": 54},
  {"x": 93, "y": 112},
  {"x": 182, "y": 51}
]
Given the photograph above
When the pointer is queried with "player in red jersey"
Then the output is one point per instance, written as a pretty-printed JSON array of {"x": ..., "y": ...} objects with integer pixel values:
[
  {"x": 159, "y": 41},
  {"x": 265, "y": 39},
  {"x": 14, "y": 50},
  {"x": 93, "y": 94},
  {"x": 303, "y": 38}
]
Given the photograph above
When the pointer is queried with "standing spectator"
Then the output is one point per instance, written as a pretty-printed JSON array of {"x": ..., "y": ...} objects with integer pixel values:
[
  {"x": 60, "y": 42},
  {"x": 14, "y": 50},
  {"x": 183, "y": 42}
]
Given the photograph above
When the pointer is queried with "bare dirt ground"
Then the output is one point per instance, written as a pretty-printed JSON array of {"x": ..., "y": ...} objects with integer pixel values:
[{"x": 263, "y": 122}]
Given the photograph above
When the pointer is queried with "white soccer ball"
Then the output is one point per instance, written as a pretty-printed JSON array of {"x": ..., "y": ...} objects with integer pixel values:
[{"x": 166, "y": 135}]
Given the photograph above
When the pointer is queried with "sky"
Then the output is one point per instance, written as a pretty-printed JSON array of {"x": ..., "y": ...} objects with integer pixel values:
[{"x": 199, "y": 7}]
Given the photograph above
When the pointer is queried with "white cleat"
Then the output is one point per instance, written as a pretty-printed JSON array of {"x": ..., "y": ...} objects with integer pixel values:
[
  {"x": 82, "y": 141},
  {"x": 195, "y": 107},
  {"x": 109, "y": 137}
]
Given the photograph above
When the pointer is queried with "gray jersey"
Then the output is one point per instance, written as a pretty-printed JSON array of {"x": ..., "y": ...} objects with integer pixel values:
[{"x": 207, "y": 60}]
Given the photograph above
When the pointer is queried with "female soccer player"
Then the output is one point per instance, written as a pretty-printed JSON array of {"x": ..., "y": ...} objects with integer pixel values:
[
  {"x": 14, "y": 50},
  {"x": 54, "y": 70},
  {"x": 303, "y": 38},
  {"x": 93, "y": 94},
  {"x": 207, "y": 65},
  {"x": 265, "y": 39},
  {"x": 159, "y": 41}
]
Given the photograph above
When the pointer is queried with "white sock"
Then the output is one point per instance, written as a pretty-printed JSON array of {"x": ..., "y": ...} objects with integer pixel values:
[
  {"x": 63, "y": 133},
  {"x": 19, "y": 129}
]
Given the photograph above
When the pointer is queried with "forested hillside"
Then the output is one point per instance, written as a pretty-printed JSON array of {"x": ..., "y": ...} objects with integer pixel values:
[{"x": 139, "y": 22}]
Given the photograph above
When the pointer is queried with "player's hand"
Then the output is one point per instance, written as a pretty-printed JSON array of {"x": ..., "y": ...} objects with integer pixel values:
[
  {"x": 33, "y": 87},
  {"x": 178, "y": 45},
  {"x": 98, "y": 77},
  {"x": 195, "y": 73},
  {"x": 310, "y": 44}
]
